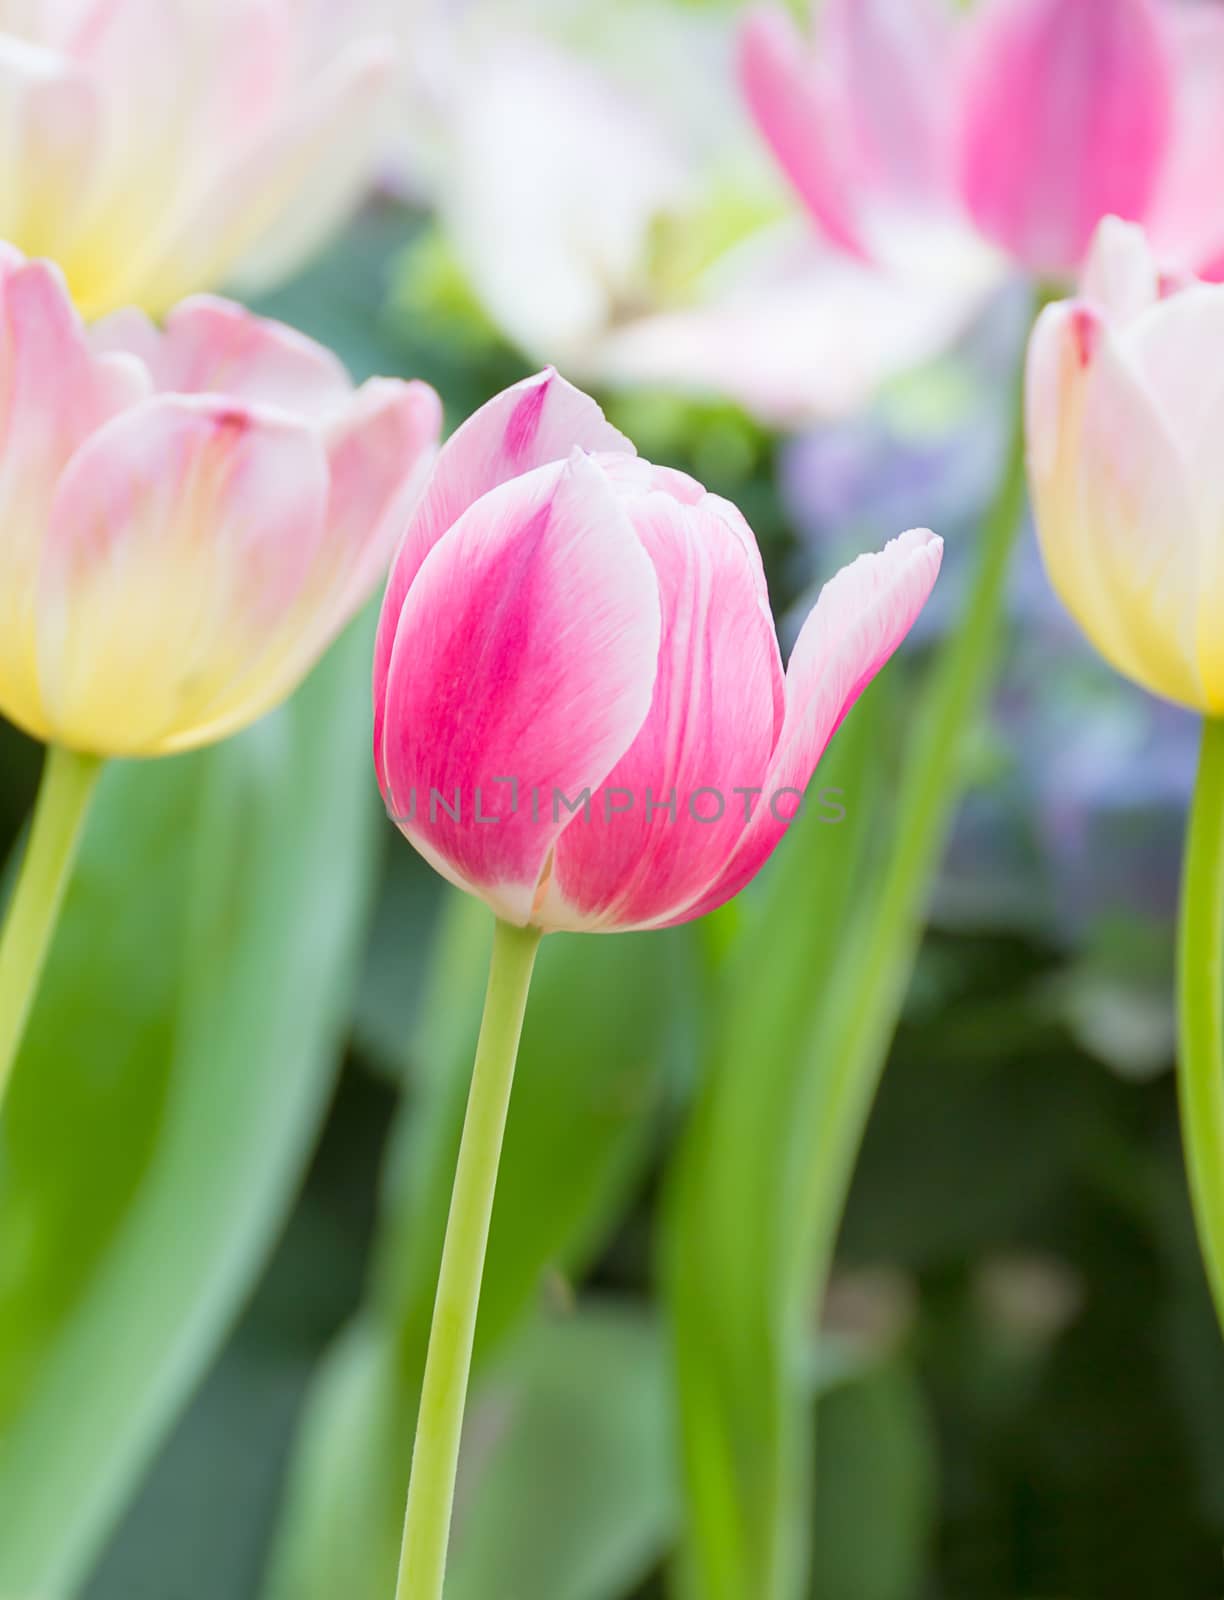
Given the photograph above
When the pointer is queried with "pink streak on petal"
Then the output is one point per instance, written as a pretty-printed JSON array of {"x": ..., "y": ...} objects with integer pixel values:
[
  {"x": 495, "y": 444},
  {"x": 711, "y": 727},
  {"x": 793, "y": 106},
  {"x": 1067, "y": 118},
  {"x": 862, "y": 615},
  {"x": 526, "y": 648}
]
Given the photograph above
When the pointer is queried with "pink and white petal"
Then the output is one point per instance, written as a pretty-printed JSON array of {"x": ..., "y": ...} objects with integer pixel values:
[
  {"x": 49, "y": 138},
  {"x": 861, "y": 617},
  {"x": 380, "y": 454},
  {"x": 895, "y": 63},
  {"x": 662, "y": 828},
  {"x": 1187, "y": 223},
  {"x": 210, "y": 345},
  {"x": 539, "y": 420},
  {"x": 1067, "y": 118},
  {"x": 1116, "y": 516},
  {"x": 53, "y": 394},
  {"x": 526, "y": 650},
  {"x": 794, "y": 106},
  {"x": 181, "y": 538}
]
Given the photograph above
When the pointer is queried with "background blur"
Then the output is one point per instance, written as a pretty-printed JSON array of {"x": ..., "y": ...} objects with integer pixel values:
[{"x": 242, "y": 1174}]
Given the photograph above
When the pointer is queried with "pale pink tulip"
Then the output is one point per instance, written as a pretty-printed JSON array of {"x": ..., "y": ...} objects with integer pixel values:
[
  {"x": 580, "y": 709},
  {"x": 1027, "y": 121},
  {"x": 1124, "y": 456},
  {"x": 188, "y": 516},
  {"x": 159, "y": 147}
]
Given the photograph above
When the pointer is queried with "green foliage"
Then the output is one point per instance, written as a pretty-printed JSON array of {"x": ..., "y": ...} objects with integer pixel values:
[{"x": 169, "y": 1092}]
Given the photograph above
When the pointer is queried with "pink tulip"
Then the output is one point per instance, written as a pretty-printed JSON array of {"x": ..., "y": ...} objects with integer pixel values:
[
  {"x": 159, "y": 147},
  {"x": 1025, "y": 120},
  {"x": 188, "y": 516},
  {"x": 580, "y": 709}
]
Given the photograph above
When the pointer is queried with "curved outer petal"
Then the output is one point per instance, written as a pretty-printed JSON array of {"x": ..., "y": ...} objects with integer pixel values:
[
  {"x": 1067, "y": 118},
  {"x": 182, "y": 537},
  {"x": 895, "y": 66},
  {"x": 793, "y": 106},
  {"x": 53, "y": 393},
  {"x": 526, "y": 650},
  {"x": 861, "y": 617},
  {"x": 528, "y": 425},
  {"x": 210, "y": 345},
  {"x": 661, "y": 830},
  {"x": 1112, "y": 494},
  {"x": 1187, "y": 220}
]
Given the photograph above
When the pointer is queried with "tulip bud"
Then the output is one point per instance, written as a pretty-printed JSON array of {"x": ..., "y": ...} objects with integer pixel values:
[
  {"x": 188, "y": 516},
  {"x": 1123, "y": 402},
  {"x": 580, "y": 709}
]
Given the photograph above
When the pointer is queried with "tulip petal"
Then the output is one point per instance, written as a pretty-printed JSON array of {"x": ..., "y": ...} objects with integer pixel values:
[
  {"x": 1111, "y": 491},
  {"x": 182, "y": 537},
  {"x": 49, "y": 138},
  {"x": 1187, "y": 224},
  {"x": 526, "y": 650},
  {"x": 861, "y": 617},
  {"x": 53, "y": 393},
  {"x": 1121, "y": 275},
  {"x": 278, "y": 196},
  {"x": 793, "y": 106},
  {"x": 894, "y": 62},
  {"x": 662, "y": 828},
  {"x": 213, "y": 346},
  {"x": 528, "y": 425},
  {"x": 1067, "y": 118}
]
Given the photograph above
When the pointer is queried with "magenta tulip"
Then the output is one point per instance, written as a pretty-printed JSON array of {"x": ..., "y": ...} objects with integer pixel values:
[
  {"x": 1025, "y": 120},
  {"x": 581, "y": 713}
]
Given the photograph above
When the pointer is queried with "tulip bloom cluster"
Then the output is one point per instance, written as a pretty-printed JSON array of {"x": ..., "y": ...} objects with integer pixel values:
[
  {"x": 568, "y": 619},
  {"x": 1025, "y": 120},
  {"x": 190, "y": 515}
]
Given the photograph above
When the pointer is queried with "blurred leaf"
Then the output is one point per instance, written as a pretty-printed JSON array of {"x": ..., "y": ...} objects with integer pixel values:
[
  {"x": 178, "y": 1063},
  {"x": 568, "y": 1490},
  {"x": 876, "y": 1478},
  {"x": 747, "y": 1492},
  {"x": 598, "y": 1039}
]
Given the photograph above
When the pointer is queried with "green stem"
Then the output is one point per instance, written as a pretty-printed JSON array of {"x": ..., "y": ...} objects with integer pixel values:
[
  {"x": 1201, "y": 1006},
  {"x": 63, "y": 798},
  {"x": 435, "y": 1455},
  {"x": 852, "y": 1044}
]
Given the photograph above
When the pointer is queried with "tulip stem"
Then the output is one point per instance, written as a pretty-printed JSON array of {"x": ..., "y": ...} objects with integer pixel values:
[
  {"x": 1200, "y": 1076},
  {"x": 435, "y": 1454},
  {"x": 64, "y": 793},
  {"x": 853, "y": 1036}
]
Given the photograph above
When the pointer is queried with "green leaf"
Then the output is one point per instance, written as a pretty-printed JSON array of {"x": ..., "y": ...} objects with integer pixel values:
[
  {"x": 568, "y": 1489},
  {"x": 178, "y": 1063},
  {"x": 748, "y": 1502}
]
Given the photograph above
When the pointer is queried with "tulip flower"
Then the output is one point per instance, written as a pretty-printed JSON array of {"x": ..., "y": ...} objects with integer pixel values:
[
  {"x": 156, "y": 148},
  {"x": 1026, "y": 121},
  {"x": 581, "y": 716},
  {"x": 1124, "y": 459},
  {"x": 190, "y": 516}
]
